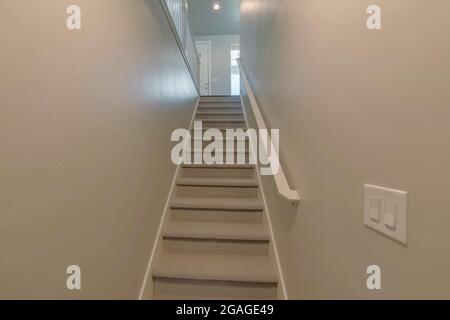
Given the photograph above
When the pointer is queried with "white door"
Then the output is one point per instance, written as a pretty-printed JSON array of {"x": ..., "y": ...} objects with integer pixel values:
[{"x": 204, "y": 53}]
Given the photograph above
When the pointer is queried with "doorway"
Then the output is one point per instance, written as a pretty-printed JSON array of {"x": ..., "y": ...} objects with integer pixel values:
[
  {"x": 204, "y": 54},
  {"x": 235, "y": 54}
]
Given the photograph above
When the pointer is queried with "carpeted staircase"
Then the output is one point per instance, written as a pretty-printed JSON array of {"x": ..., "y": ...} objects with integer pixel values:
[{"x": 215, "y": 243}]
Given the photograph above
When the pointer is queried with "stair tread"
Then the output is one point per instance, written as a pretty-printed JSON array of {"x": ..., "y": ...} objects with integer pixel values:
[
  {"x": 220, "y": 104},
  {"x": 219, "y": 166},
  {"x": 163, "y": 297},
  {"x": 217, "y": 203},
  {"x": 192, "y": 150},
  {"x": 217, "y": 231},
  {"x": 216, "y": 182},
  {"x": 223, "y": 109},
  {"x": 235, "y": 139},
  {"x": 221, "y": 96},
  {"x": 220, "y": 113},
  {"x": 223, "y": 130},
  {"x": 200, "y": 266},
  {"x": 223, "y": 120},
  {"x": 220, "y": 100}
]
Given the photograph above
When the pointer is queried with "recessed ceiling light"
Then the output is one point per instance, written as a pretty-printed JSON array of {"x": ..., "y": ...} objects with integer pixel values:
[{"x": 216, "y": 6}]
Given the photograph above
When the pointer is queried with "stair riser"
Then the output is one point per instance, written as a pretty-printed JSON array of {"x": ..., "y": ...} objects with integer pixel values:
[
  {"x": 217, "y": 173},
  {"x": 223, "y": 125},
  {"x": 237, "y": 145},
  {"x": 223, "y": 289},
  {"x": 217, "y": 192},
  {"x": 221, "y": 100},
  {"x": 223, "y": 131},
  {"x": 254, "y": 248},
  {"x": 241, "y": 158},
  {"x": 217, "y": 112},
  {"x": 221, "y": 117},
  {"x": 231, "y": 108},
  {"x": 198, "y": 215}
]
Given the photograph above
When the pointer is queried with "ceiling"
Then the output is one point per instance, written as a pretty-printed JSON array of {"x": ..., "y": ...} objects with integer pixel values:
[{"x": 206, "y": 21}]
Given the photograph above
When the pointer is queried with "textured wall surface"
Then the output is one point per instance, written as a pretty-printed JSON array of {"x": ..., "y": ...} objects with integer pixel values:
[
  {"x": 356, "y": 106},
  {"x": 85, "y": 124}
]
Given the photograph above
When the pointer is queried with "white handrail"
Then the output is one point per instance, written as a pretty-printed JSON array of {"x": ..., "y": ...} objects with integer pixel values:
[{"x": 280, "y": 178}]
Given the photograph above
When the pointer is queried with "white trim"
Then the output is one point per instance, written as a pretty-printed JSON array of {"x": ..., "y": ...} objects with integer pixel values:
[
  {"x": 209, "y": 43},
  {"x": 280, "y": 178},
  {"x": 266, "y": 209},
  {"x": 163, "y": 217}
]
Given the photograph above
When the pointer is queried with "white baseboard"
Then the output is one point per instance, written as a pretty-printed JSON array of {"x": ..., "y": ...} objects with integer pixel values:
[{"x": 163, "y": 219}]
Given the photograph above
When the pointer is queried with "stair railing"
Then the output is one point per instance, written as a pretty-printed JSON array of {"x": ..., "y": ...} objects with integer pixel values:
[
  {"x": 177, "y": 14},
  {"x": 280, "y": 178}
]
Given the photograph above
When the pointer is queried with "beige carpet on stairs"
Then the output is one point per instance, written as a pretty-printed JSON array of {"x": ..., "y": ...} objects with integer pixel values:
[{"x": 216, "y": 243}]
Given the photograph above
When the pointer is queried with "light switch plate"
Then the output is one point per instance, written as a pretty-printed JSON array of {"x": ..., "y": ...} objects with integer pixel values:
[{"x": 386, "y": 210}]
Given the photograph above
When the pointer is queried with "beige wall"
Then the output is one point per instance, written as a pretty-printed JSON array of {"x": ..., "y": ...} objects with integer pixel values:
[
  {"x": 356, "y": 107},
  {"x": 85, "y": 123}
]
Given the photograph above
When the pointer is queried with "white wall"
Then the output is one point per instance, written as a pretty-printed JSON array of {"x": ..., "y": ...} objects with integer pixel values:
[
  {"x": 356, "y": 106},
  {"x": 220, "y": 62},
  {"x": 85, "y": 123}
]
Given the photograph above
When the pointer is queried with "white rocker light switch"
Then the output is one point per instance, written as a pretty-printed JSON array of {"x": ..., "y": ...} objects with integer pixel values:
[
  {"x": 390, "y": 215},
  {"x": 385, "y": 210},
  {"x": 375, "y": 208}
]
